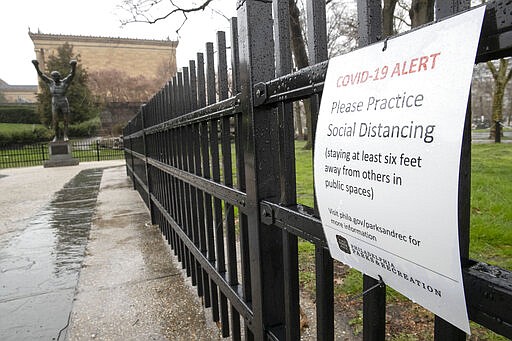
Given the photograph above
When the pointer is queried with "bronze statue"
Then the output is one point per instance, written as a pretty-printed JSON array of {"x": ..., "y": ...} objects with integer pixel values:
[{"x": 60, "y": 106}]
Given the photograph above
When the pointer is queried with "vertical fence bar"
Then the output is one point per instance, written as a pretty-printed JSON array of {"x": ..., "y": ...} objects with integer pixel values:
[
  {"x": 317, "y": 47},
  {"x": 205, "y": 157},
  {"x": 203, "y": 286},
  {"x": 191, "y": 205},
  {"x": 217, "y": 204},
  {"x": 193, "y": 209},
  {"x": 132, "y": 157},
  {"x": 287, "y": 171},
  {"x": 177, "y": 191},
  {"x": 193, "y": 85},
  {"x": 210, "y": 75},
  {"x": 235, "y": 67},
  {"x": 205, "y": 153},
  {"x": 173, "y": 191},
  {"x": 442, "y": 329},
  {"x": 186, "y": 91},
  {"x": 222, "y": 73},
  {"x": 240, "y": 173},
  {"x": 219, "y": 228},
  {"x": 146, "y": 164},
  {"x": 374, "y": 303},
  {"x": 229, "y": 213},
  {"x": 369, "y": 16},
  {"x": 240, "y": 166},
  {"x": 201, "y": 82},
  {"x": 261, "y": 167},
  {"x": 179, "y": 151},
  {"x": 201, "y": 214},
  {"x": 179, "y": 165},
  {"x": 184, "y": 200}
]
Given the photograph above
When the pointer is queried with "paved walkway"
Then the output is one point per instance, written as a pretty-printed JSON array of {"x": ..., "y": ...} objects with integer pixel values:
[{"x": 127, "y": 286}]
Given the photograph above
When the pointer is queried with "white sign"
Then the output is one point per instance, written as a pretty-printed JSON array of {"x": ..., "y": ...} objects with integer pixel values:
[{"x": 387, "y": 156}]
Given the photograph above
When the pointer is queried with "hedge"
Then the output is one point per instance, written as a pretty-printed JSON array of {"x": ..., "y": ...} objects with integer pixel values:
[
  {"x": 21, "y": 113},
  {"x": 41, "y": 134},
  {"x": 38, "y": 134}
]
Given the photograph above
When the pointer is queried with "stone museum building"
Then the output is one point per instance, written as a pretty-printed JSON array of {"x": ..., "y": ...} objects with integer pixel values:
[
  {"x": 134, "y": 57},
  {"x": 151, "y": 59},
  {"x": 18, "y": 93}
]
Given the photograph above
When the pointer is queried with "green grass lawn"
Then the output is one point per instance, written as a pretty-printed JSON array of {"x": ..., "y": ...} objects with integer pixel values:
[
  {"x": 9, "y": 128},
  {"x": 490, "y": 237},
  {"x": 491, "y": 204},
  {"x": 491, "y": 200}
]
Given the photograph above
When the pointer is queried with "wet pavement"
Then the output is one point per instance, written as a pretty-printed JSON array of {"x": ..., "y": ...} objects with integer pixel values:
[
  {"x": 39, "y": 268},
  {"x": 129, "y": 288},
  {"x": 85, "y": 263}
]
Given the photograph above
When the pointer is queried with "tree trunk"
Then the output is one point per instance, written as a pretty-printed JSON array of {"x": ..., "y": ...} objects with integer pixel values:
[
  {"x": 501, "y": 77},
  {"x": 298, "y": 120},
  {"x": 421, "y": 12},
  {"x": 300, "y": 58},
  {"x": 388, "y": 11}
]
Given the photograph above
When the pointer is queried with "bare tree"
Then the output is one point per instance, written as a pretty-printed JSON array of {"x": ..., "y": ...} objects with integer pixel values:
[
  {"x": 481, "y": 95},
  {"x": 116, "y": 86},
  {"x": 501, "y": 76},
  {"x": 341, "y": 28}
]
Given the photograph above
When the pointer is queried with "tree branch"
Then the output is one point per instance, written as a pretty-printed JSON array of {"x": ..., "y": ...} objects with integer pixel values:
[
  {"x": 492, "y": 68},
  {"x": 140, "y": 9}
]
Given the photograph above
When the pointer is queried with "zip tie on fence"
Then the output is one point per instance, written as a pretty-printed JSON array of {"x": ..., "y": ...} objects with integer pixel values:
[
  {"x": 385, "y": 44},
  {"x": 380, "y": 284}
]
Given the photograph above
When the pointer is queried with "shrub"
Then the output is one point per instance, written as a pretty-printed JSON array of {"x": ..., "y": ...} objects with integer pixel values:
[
  {"x": 37, "y": 134},
  {"x": 21, "y": 113},
  {"x": 85, "y": 129}
]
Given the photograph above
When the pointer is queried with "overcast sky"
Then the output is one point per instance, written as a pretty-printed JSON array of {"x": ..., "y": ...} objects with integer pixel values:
[{"x": 95, "y": 18}]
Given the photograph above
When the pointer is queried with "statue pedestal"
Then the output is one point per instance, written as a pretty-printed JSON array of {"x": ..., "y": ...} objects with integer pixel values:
[{"x": 60, "y": 155}]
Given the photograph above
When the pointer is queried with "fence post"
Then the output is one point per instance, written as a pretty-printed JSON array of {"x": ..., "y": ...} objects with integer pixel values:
[
  {"x": 97, "y": 150},
  {"x": 42, "y": 152},
  {"x": 261, "y": 170}
]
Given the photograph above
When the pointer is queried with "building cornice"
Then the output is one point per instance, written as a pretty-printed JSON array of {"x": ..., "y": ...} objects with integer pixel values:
[{"x": 107, "y": 40}]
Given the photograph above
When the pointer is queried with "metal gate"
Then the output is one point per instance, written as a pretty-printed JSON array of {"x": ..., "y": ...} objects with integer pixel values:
[{"x": 219, "y": 176}]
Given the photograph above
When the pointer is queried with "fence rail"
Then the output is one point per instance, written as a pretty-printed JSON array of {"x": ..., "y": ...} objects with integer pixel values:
[
  {"x": 85, "y": 150},
  {"x": 218, "y": 175}
]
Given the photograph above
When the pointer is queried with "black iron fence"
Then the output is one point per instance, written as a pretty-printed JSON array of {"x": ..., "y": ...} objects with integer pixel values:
[
  {"x": 218, "y": 174},
  {"x": 84, "y": 150}
]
